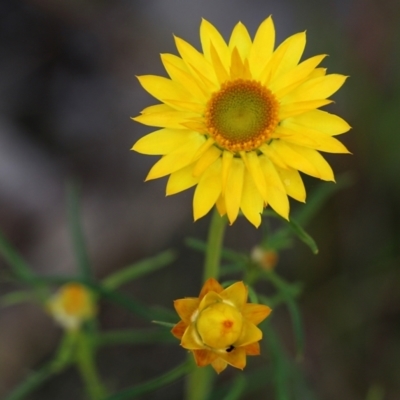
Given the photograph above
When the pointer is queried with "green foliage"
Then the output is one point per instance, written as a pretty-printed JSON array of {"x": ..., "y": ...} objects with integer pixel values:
[{"x": 79, "y": 348}]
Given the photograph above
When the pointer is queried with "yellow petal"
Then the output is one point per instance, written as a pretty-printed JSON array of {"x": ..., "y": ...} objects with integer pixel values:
[
  {"x": 208, "y": 158},
  {"x": 253, "y": 165},
  {"x": 235, "y": 294},
  {"x": 179, "y": 329},
  {"x": 227, "y": 158},
  {"x": 194, "y": 60},
  {"x": 210, "y": 37},
  {"x": 204, "y": 147},
  {"x": 157, "y": 108},
  {"x": 240, "y": 39},
  {"x": 292, "y": 49},
  {"x": 204, "y": 357},
  {"x": 321, "y": 121},
  {"x": 284, "y": 58},
  {"x": 272, "y": 155},
  {"x": 294, "y": 76},
  {"x": 186, "y": 106},
  {"x": 163, "y": 141},
  {"x": 233, "y": 190},
  {"x": 305, "y": 160},
  {"x": 181, "y": 180},
  {"x": 219, "y": 365},
  {"x": 163, "y": 88},
  {"x": 177, "y": 159},
  {"x": 252, "y": 349},
  {"x": 318, "y": 72},
  {"x": 237, "y": 66},
  {"x": 293, "y": 109},
  {"x": 250, "y": 334},
  {"x": 182, "y": 76},
  {"x": 219, "y": 68},
  {"x": 191, "y": 340},
  {"x": 293, "y": 183},
  {"x": 315, "y": 89},
  {"x": 262, "y": 47},
  {"x": 220, "y": 204},
  {"x": 170, "y": 119},
  {"x": 186, "y": 307},
  {"x": 255, "y": 313},
  {"x": 276, "y": 193},
  {"x": 207, "y": 191},
  {"x": 252, "y": 202},
  {"x": 310, "y": 138},
  {"x": 236, "y": 358},
  {"x": 210, "y": 285},
  {"x": 208, "y": 299}
]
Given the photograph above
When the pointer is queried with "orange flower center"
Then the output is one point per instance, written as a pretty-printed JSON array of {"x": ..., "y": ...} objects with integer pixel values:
[
  {"x": 219, "y": 325},
  {"x": 241, "y": 115},
  {"x": 75, "y": 299}
]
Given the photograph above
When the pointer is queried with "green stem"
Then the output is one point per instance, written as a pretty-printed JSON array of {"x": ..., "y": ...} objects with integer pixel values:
[
  {"x": 153, "y": 384},
  {"x": 214, "y": 246},
  {"x": 199, "y": 382},
  {"x": 87, "y": 367},
  {"x": 78, "y": 240}
]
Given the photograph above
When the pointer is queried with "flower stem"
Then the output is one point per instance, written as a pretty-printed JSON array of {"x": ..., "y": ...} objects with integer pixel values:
[
  {"x": 87, "y": 368},
  {"x": 214, "y": 246},
  {"x": 199, "y": 382}
]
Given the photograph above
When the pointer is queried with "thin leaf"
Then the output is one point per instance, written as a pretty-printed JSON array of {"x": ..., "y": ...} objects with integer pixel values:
[
  {"x": 281, "y": 370},
  {"x": 77, "y": 236},
  {"x": 139, "y": 269},
  {"x": 165, "y": 324},
  {"x": 135, "y": 336},
  {"x": 16, "y": 297},
  {"x": 303, "y": 236},
  {"x": 18, "y": 265},
  {"x": 237, "y": 389},
  {"x": 319, "y": 197},
  {"x": 226, "y": 254},
  {"x": 297, "y": 324},
  {"x": 153, "y": 384}
]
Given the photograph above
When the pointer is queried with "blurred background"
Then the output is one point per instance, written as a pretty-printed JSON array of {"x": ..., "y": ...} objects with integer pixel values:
[{"x": 67, "y": 92}]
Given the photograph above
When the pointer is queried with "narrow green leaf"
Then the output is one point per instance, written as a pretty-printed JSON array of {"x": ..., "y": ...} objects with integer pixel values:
[
  {"x": 318, "y": 198},
  {"x": 297, "y": 324},
  {"x": 226, "y": 254},
  {"x": 18, "y": 265},
  {"x": 77, "y": 236},
  {"x": 135, "y": 336},
  {"x": 32, "y": 382},
  {"x": 237, "y": 389},
  {"x": 153, "y": 384},
  {"x": 139, "y": 269},
  {"x": 16, "y": 297},
  {"x": 281, "y": 369},
  {"x": 303, "y": 236},
  {"x": 165, "y": 324}
]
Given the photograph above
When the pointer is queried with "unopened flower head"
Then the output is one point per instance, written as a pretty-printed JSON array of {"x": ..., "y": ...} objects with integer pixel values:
[
  {"x": 219, "y": 326},
  {"x": 265, "y": 258},
  {"x": 72, "y": 305},
  {"x": 239, "y": 120}
]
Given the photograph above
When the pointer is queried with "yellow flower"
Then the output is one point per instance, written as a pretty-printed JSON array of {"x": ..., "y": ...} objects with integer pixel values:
[
  {"x": 219, "y": 326},
  {"x": 72, "y": 305},
  {"x": 240, "y": 120}
]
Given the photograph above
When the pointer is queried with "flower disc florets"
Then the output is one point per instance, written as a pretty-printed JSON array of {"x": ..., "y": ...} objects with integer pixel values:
[
  {"x": 241, "y": 115},
  {"x": 219, "y": 326}
]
